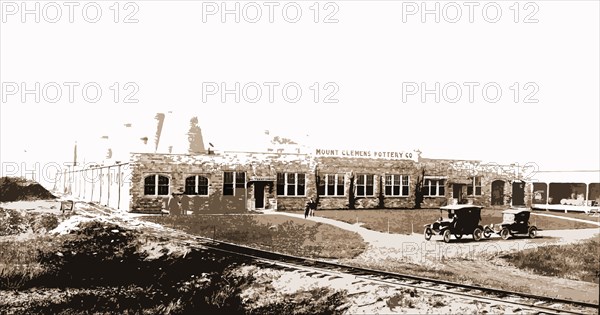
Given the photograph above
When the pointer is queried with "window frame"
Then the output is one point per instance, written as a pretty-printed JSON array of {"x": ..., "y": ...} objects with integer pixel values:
[
  {"x": 287, "y": 185},
  {"x": 336, "y": 185},
  {"x": 157, "y": 185},
  {"x": 197, "y": 185},
  {"x": 474, "y": 187},
  {"x": 365, "y": 185},
  {"x": 235, "y": 184},
  {"x": 396, "y": 180},
  {"x": 439, "y": 183}
]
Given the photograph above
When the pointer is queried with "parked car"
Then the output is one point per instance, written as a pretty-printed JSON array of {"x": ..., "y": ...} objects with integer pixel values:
[
  {"x": 514, "y": 221},
  {"x": 461, "y": 220}
]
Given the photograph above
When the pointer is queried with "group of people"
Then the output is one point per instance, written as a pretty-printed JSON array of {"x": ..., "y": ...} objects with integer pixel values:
[
  {"x": 309, "y": 210},
  {"x": 177, "y": 204}
]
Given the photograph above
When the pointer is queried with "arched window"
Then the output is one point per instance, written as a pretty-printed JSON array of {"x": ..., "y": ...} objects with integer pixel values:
[
  {"x": 196, "y": 185},
  {"x": 156, "y": 185}
]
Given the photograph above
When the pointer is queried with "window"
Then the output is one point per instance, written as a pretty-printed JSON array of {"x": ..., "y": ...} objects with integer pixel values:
[
  {"x": 474, "y": 187},
  {"x": 396, "y": 185},
  {"x": 364, "y": 185},
  {"x": 156, "y": 185},
  {"x": 433, "y": 187},
  {"x": 291, "y": 184},
  {"x": 196, "y": 185},
  {"x": 232, "y": 180},
  {"x": 331, "y": 185}
]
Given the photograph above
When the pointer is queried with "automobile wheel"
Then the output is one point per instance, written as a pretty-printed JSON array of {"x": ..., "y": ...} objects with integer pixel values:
[
  {"x": 458, "y": 236},
  {"x": 504, "y": 233},
  {"x": 532, "y": 232},
  {"x": 428, "y": 233},
  {"x": 446, "y": 236},
  {"x": 487, "y": 232},
  {"x": 477, "y": 234}
]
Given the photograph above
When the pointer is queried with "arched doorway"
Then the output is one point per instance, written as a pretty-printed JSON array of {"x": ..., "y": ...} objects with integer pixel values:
[{"x": 498, "y": 193}]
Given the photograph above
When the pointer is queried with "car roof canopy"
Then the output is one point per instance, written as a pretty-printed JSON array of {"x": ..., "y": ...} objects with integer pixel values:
[
  {"x": 460, "y": 207},
  {"x": 515, "y": 211}
]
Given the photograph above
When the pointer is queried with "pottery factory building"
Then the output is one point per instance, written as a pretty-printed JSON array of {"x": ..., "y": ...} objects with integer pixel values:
[
  {"x": 287, "y": 175},
  {"x": 335, "y": 179}
]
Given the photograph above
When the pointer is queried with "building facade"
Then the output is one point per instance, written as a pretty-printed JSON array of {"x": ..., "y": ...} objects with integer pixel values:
[{"x": 234, "y": 182}]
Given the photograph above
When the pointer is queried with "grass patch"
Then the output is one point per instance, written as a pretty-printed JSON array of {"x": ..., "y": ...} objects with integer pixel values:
[
  {"x": 578, "y": 261},
  {"x": 20, "y": 260},
  {"x": 271, "y": 232},
  {"x": 412, "y": 220}
]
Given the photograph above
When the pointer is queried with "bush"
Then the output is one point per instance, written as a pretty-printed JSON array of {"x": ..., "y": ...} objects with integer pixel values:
[
  {"x": 12, "y": 222},
  {"x": 43, "y": 223}
]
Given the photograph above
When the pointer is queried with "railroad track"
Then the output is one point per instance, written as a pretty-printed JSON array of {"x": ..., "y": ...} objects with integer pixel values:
[{"x": 518, "y": 301}]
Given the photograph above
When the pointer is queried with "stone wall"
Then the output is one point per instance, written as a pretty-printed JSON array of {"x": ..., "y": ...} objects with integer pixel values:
[{"x": 263, "y": 168}]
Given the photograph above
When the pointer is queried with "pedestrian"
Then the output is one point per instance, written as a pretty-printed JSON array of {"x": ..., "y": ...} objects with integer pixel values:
[
  {"x": 185, "y": 203},
  {"x": 174, "y": 204},
  {"x": 307, "y": 210},
  {"x": 312, "y": 207}
]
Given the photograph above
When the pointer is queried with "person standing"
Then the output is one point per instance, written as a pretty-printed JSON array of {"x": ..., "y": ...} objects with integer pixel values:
[
  {"x": 174, "y": 204},
  {"x": 307, "y": 209},
  {"x": 312, "y": 207}
]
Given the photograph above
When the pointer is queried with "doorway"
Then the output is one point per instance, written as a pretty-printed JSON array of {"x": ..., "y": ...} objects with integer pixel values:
[
  {"x": 259, "y": 195},
  {"x": 518, "y": 194},
  {"x": 457, "y": 192},
  {"x": 498, "y": 193}
]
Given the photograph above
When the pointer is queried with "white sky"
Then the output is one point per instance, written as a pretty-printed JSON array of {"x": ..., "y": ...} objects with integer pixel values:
[{"x": 369, "y": 53}]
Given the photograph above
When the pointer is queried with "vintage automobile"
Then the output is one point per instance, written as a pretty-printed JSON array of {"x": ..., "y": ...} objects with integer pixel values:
[
  {"x": 514, "y": 221},
  {"x": 462, "y": 220}
]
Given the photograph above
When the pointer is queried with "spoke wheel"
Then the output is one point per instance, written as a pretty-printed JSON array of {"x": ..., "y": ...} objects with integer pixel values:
[
  {"x": 428, "y": 233},
  {"x": 504, "y": 233},
  {"x": 446, "y": 236},
  {"x": 477, "y": 233},
  {"x": 487, "y": 232},
  {"x": 532, "y": 232}
]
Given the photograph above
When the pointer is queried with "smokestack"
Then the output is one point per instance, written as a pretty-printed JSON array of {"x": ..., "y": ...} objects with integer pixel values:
[
  {"x": 196, "y": 142},
  {"x": 160, "y": 117}
]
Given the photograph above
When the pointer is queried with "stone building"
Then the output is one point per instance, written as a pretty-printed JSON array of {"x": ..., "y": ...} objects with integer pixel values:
[{"x": 335, "y": 179}]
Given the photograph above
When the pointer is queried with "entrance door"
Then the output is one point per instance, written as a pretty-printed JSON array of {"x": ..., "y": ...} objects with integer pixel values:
[
  {"x": 259, "y": 195},
  {"x": 518, "y": 194},
  {"x": 497, "y": 193},
  {"x": 457, "y": 192}
]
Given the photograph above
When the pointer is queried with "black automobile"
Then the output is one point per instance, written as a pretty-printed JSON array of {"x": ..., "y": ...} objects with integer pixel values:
[
  {"x": 514, "y": 222},
  {"x": 461, "y": 220}
]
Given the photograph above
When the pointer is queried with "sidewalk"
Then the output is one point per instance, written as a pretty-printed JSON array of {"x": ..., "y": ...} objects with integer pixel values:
[
  {"x": 568, "y": 218},
  {"x": 374, "y": 238}
]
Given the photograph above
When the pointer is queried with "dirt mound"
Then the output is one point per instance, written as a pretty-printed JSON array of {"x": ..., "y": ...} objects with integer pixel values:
[{"x": 16, "y": 189}]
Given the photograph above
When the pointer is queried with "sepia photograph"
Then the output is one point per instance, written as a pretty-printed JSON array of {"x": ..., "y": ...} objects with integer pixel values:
[{"x": 299, "y": 157}]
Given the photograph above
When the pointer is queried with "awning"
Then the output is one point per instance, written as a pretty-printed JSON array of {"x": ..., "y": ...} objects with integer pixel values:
[{"x": 565, "y": 177}]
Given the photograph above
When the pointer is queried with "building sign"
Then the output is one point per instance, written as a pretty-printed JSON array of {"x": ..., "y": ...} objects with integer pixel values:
[
  {"x": 262, "y": 178},
  {"x": 369, "y": 154}
]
